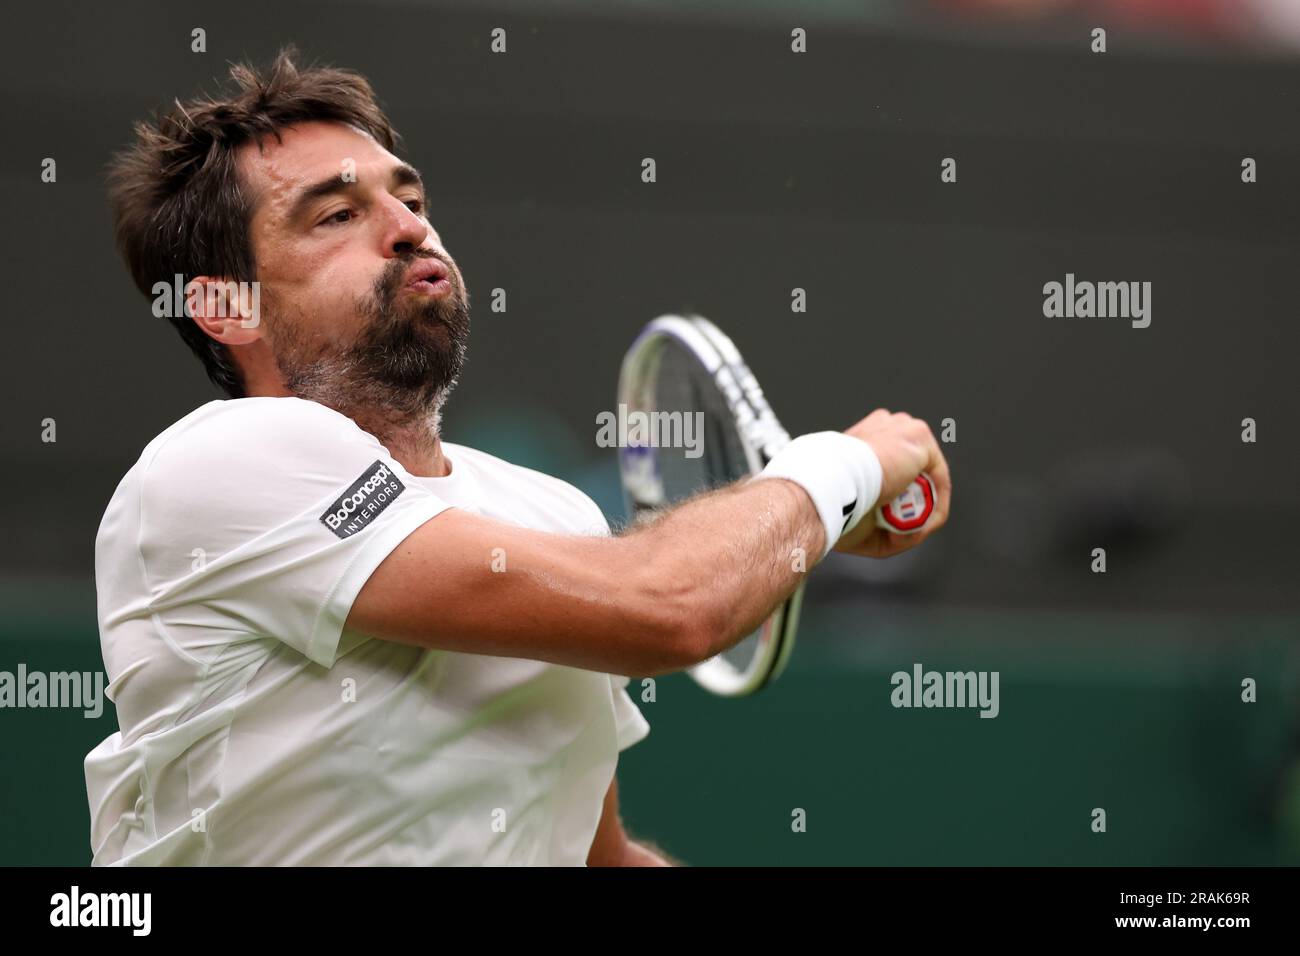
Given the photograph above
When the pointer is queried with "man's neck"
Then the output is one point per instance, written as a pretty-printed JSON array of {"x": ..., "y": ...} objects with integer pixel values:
[
  {"x": 410, "y": 437},
  {"x": 415, "y": 444}
]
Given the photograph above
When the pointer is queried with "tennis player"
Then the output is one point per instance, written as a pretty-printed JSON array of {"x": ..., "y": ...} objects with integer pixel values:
[{"x": 333, "y": 638}]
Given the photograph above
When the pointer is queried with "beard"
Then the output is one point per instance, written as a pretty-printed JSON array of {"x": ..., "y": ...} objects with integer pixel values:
[{"x": 399, "y": 369}]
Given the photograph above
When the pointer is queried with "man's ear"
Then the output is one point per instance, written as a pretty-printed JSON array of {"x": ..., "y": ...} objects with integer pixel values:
[{"x": 228, "y": 311}]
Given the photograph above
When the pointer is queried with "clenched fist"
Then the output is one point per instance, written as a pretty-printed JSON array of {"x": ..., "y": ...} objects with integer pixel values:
[{"x": 905, "y": 447}]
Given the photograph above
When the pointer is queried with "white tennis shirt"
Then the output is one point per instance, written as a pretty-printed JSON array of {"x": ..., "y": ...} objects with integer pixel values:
[{"x": 255, "y": 729}]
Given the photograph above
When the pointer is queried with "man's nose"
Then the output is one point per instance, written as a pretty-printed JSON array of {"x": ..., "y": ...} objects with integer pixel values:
[{"x": 408, "y": 231}]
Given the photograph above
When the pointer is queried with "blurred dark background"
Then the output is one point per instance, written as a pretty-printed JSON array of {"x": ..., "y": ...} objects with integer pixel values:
[{"x": 818, "y": 171}]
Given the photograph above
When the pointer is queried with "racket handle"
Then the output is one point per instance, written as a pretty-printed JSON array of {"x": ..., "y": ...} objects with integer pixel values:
[{"x": 908, "y": 513}]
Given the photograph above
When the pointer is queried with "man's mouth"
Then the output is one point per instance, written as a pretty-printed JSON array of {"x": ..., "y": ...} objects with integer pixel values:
[{"x": 429, "y": 277}]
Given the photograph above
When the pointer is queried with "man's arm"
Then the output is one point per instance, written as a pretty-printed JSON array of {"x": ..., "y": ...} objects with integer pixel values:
[
  {"x": 611, "y": 845},
  {"x": 656, "y": 600},
  {"x": 665, "y": 596}
]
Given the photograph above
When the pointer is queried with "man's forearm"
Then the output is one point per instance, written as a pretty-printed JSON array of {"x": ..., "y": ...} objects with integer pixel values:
[{"x": 737, "y": 552}]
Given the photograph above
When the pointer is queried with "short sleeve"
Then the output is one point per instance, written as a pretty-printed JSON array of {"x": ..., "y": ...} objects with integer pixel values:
[
  {"x": 267, "y": 516},
  {"x": 632, "y": 725}
]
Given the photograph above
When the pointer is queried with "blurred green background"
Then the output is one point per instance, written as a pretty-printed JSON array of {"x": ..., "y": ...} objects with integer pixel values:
[{"x": 1156, "y": 735}]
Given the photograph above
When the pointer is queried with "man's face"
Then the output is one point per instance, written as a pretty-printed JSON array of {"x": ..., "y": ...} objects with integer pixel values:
[{"x": 339, "y": 229}]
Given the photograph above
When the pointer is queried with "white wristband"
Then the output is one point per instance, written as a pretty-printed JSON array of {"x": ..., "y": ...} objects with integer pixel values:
[{"x": 840, "y": 473}]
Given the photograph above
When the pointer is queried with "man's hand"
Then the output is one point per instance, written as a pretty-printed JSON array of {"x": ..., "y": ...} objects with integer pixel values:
[{"x": 905, "y": 447}]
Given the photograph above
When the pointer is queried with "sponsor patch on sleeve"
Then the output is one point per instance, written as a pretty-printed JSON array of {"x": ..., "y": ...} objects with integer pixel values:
[{"x": 364, "y": 501}]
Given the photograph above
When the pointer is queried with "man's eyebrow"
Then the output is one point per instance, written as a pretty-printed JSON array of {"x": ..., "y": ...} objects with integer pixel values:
[
  {"x": 407, "y": 175},
  {"x": 403, "y": 174}
]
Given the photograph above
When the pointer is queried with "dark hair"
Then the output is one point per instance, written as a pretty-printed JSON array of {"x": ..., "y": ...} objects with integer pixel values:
[{"x": 177, "y": 201}]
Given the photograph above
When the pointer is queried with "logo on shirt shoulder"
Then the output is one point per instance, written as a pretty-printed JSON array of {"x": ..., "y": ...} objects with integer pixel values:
[{"x": 364, "y": 501}]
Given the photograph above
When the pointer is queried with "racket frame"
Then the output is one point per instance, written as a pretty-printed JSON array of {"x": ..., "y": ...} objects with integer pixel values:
[{"x": 760, "y": 435}]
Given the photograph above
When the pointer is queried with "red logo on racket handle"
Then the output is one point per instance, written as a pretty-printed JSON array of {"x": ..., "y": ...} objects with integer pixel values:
[{"x": 909, "y": 512}]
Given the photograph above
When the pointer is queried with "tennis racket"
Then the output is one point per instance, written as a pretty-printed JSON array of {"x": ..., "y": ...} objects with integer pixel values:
[{"x": 698, "y": 420}]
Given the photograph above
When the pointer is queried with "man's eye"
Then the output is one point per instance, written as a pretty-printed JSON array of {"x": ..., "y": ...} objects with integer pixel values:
[
  {"x": 334, "y": 218},
  {"x": 415, "y": 205}
]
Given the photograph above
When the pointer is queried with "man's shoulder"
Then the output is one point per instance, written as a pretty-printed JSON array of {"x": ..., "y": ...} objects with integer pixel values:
[
  {"x": 246, "y": 418},
  {"x": 247, "y": 430},
  {"x": 235, "y": 453}
]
